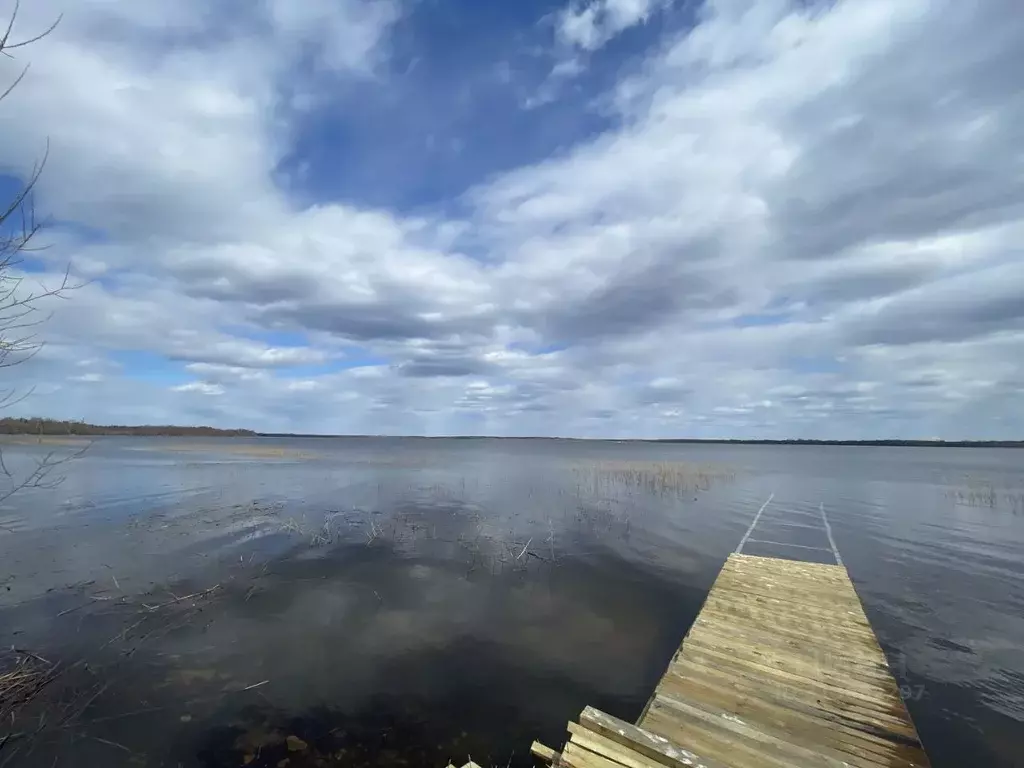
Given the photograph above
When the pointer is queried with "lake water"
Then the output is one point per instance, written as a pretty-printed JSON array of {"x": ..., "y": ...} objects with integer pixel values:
[{"x": 409, "y": 601}]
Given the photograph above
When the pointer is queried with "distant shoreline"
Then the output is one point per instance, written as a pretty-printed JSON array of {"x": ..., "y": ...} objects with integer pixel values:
[
  {"x": 685, "y": 440},
  {"x": 34, "y": 428},
  {"x": 38, "y": 427}
]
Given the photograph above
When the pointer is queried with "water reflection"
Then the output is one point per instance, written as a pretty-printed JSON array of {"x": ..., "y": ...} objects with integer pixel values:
[{"x": 393, "y": 602}]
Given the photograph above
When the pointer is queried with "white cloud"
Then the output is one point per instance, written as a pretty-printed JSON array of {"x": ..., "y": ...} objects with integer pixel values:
[
  {"x": 804, "y": 220},
  {"x": 592, "y": 23},
  {"x": 346, "y": 35},
  {"x": 201, "y": 387}
]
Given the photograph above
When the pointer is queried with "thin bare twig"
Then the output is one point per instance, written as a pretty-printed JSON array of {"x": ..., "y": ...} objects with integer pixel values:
[
  {"x": 111, "y": 743},
  {"x": 5, "y": 45},
  {"x": 524, "y": 549}
]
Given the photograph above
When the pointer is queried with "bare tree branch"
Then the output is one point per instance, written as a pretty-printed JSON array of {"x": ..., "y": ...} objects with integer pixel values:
[
  {"x": 14, "y": 85},
  {"x": 6, "y": 45},
  {"x": 42, "y": 474},
  {"x": 19, "y": 309}
]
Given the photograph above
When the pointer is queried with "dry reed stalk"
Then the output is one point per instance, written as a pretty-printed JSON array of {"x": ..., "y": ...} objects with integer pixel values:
[{"x": 23, "y": 676}]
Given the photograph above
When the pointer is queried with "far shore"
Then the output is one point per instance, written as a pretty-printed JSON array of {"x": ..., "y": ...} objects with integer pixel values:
[{"x": 55, "y": 432}]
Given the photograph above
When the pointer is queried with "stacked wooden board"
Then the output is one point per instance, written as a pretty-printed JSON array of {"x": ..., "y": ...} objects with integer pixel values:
[{"x": 781, "y": 669}]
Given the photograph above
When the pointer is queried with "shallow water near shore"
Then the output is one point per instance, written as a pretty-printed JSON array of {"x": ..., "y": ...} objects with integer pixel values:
[{"x": 386, "y": 601}]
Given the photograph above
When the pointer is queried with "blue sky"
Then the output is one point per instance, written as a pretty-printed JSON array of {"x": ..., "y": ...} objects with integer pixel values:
[
  {"x": 466, "y": 93},
  {"x": 615, "y": 218}
]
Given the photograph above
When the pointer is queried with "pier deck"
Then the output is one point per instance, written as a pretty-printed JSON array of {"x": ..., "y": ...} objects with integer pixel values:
[{"x": 781, "y": 669}]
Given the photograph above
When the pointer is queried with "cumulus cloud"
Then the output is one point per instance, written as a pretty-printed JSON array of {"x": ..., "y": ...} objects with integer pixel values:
[
  {"x": 799, "y": 219},
  {"x": 590, "y": 24},
  {"x": 345, "y": 35},
  {"x": 200, "y": 387}
]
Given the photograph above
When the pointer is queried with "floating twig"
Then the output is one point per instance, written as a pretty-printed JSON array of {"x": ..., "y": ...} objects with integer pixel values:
[
  {"x": 110, "y": 743},
  {"x": 524, "y": 549}
]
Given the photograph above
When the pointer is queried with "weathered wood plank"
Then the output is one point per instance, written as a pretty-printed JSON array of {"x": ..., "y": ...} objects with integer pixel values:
[
  {"x": 602, "y": 745},
  {"x": 577, "y": 756},
  {"x": 841, "y": 651},
  {"x": 792, "y": 578},
  {"x": 729, "y": 751},
  {"x": 823, "y": 650},
  {"x": 831, "y": 705},
  {"x": 821, "y": 598},
  {"x": 861, "y": 747},
  {"x": 853, "y": 645},
  {"x": 652, "y": 745},
  {"x": 819, "y": 668},
  {"x": 798, "y": 685},
  {"x": 778, "y": 565},
  {"x": 753, "y": 733},
  {"x": 847, "y": 621},
  {"x": 547, "y": 754},
  {"x": 797, "y": 689},
  {"x": 781, "y": 669}
]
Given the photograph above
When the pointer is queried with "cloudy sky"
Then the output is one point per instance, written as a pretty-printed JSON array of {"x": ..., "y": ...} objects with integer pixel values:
[{"x": 737, "y": 218}]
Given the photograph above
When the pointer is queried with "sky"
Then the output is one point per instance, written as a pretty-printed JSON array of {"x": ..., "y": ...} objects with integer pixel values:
[{"x": 587, "y": 218}]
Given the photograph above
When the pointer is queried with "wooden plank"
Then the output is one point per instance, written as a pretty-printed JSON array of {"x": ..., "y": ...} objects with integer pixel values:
[
  {"x": 831, "y": 706},
  {"x": 860, "y": 747},
  {"x": 791, "y": 617},
  {"x": 779, "y": 565},
  {"x": 848, "y": 677},
  {"x": 781, "y": 669},
  {"x": 719, "y": 616},
  {"x": 795, "y": 689},
  {"x": 751, "y": 733},
  {"x": 824, "y": 572},
  {"x": 579, "y": 757},
  {"x": 847, "y": 621},
  {"x": 602, "y": 745},
  {"x": 808, "y": 633},
  {"x": 825, "y": 603},
  {"x": 816, "y": 644},
  {"x": 820, "y": 589},
  {"x": 798, "y": 603},
  {"x": 824, "y": 649},
  {"x": 725, "y": 749},
  {"x": 782, "y": 665},
  {"x": 791, "y": 579},
  {"x": 794, "y": 669},
  {"x": 651, "y": 745},
  {"x": 800, "y": 686},
  {"x": 547, "y": 754}
]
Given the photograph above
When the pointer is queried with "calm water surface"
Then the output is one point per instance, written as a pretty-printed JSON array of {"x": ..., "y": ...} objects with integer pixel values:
[{"x": 406, "y": 601}]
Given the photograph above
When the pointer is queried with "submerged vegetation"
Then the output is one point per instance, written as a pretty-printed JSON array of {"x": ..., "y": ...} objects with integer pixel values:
[
  {"x": 984, "y": 488},
  {"x": 238, "y": 449},
  {"x": 382, "y": 604},
  {"x": 48, "y": 706},
  {"x": 23, "y": 677},
  {"x": 677, "y": 478},
  {"x": 982, "y": 494}
]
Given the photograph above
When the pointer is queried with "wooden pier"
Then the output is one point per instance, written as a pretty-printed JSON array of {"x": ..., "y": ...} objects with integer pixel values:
[{"x": 781, "y": 669}]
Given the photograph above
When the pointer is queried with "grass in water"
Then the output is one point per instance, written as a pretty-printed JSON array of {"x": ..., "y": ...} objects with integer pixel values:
[{"x": 663, "y": 478}]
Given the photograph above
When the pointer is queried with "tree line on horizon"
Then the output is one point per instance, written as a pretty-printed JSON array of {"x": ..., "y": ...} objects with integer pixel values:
[
  {"x": 42, "y": 426},
  {"x": 58, "y": 427}
]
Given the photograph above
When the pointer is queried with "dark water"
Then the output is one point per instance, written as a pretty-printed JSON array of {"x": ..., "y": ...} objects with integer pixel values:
[{"x": 403, "y": 601}]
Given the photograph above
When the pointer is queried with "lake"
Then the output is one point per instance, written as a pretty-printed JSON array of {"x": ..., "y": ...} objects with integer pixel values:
[{"x": 402, "y": 601}]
